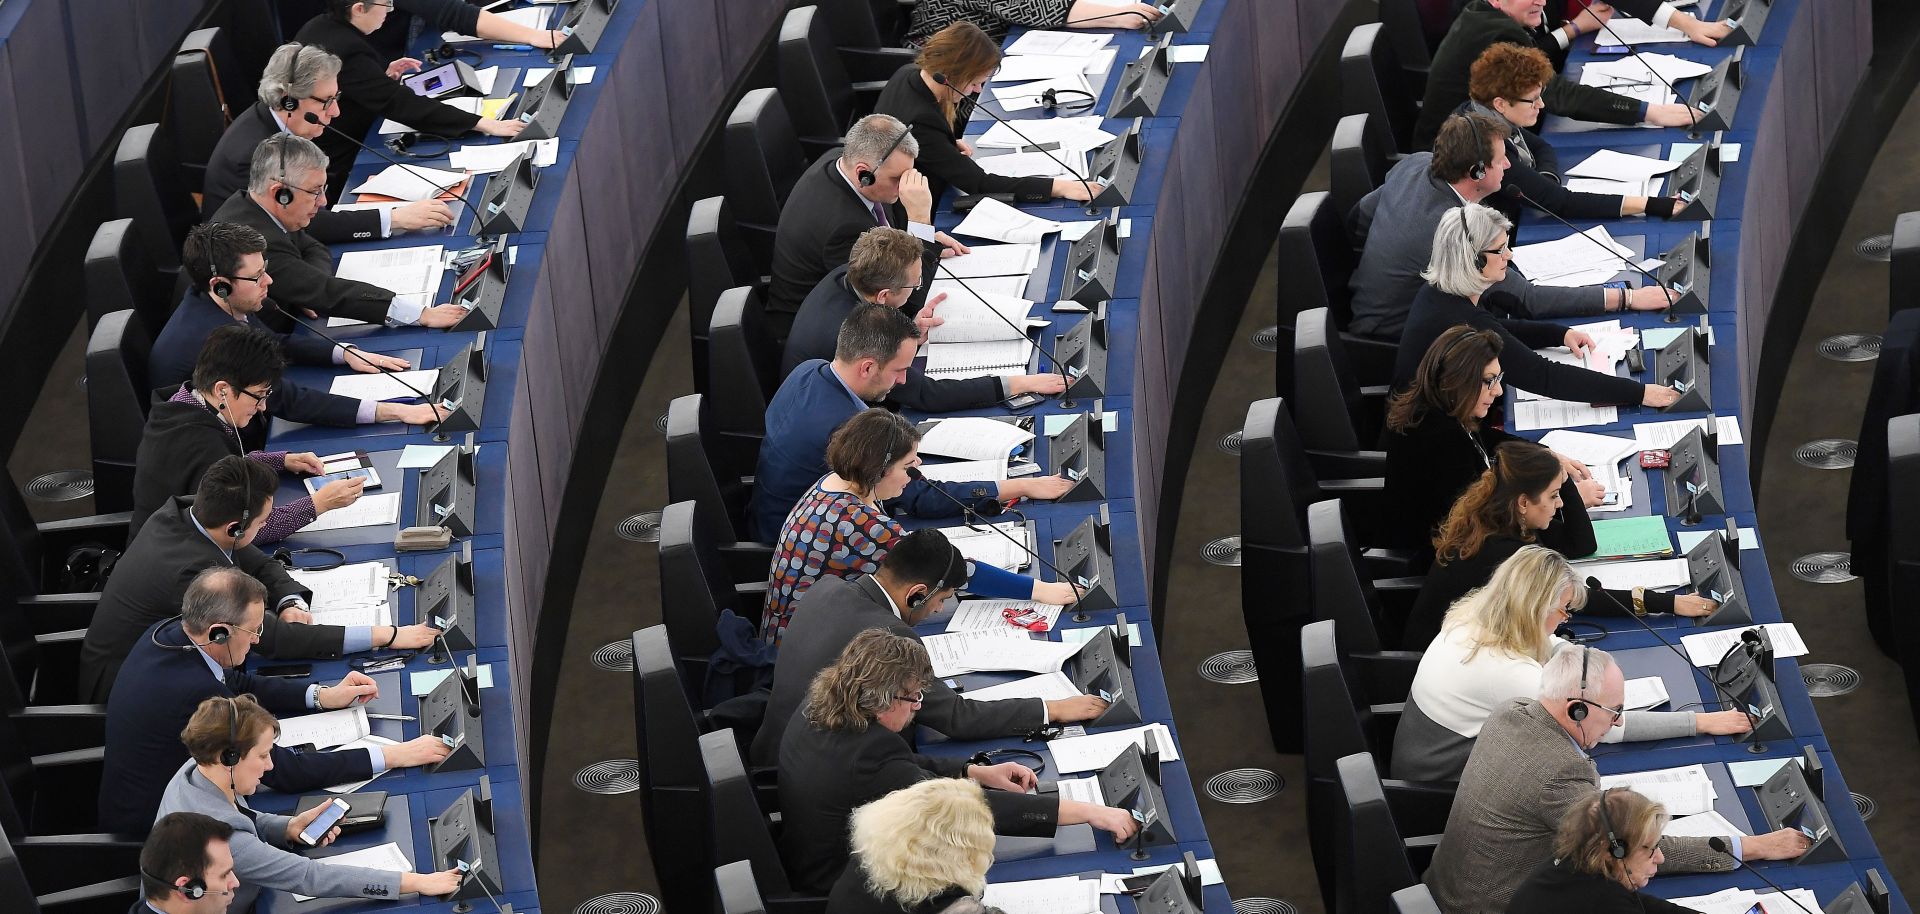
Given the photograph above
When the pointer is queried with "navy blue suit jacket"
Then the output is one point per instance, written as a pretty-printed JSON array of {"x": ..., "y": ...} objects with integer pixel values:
[{"x": 178, "y": 347}]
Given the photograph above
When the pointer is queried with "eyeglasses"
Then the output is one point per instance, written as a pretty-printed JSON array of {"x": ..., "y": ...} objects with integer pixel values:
[
  {"x": 331, "y": 101},
  {"x": 254, "y": 633},
  {"x": 1616, "y": 712},
  {"x": 321, "y": 192},
  {"x": 1505, "y": 250},
  {"x": 254, "y": 278},
  {"x": 260, "y": 397},
  {"x": 909, "y": 289},
  {"x": 1538, "y": 101},
  {"x": 1493, "y": 380},
  {"x": 913, "y": 698}
]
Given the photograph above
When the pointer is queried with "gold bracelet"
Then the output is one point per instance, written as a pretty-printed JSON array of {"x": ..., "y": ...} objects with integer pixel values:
[{"x": 1640, "y": 602}]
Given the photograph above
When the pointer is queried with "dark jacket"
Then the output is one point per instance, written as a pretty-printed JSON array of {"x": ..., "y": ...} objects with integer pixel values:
[
  {"x": 826, "y": 774},
  {"x": 1435, "y": 311},
  {"x": 1428, "y": 466},
  {"x": 822, "y": 219},
  {"x": 837, "y": 610},
  {"x": 177, "y": 349},
  {"x": 816, "y": 329},
  {"x": 164, "y": 679},
  {"x": 1561, "y": 890},
  {"x": 368, "y": 95},
  {"x": 232, "y": 157},
  {"x": 907, "y": 97},
  {"x": 177, "y": 445},
  {"x": 150, "y": 580},
  {"x": 1480, "y": 26},
  {"x": 302, "y": 268},
  {"x": 1541, "y": 183},
  {"x": 851, "y": 895}
]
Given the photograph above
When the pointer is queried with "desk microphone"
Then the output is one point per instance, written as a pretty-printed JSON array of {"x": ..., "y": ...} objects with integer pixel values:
[
  {"x": 1593, "y": 584},
  {"x": 1626, "y": 302},
  {"x": 1720, "y": 844},
  {"x": 967, "y": 511},
  {"x": 438, "y": 189},
  {"x": 1091, "y": 210},
  {"x": 1693, "y": 116},
  {"x": 349, "y": 353},
  {"x": 1066, "y": 398}
]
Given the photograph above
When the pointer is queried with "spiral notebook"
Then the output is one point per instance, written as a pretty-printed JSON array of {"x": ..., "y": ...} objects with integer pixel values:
[{"x": 991, "y": 358}]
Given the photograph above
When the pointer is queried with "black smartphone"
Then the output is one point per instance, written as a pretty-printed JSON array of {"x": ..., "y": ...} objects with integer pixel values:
[
  {"x": 1022, "y": 401},
  {"x": 286, "y": 671}
]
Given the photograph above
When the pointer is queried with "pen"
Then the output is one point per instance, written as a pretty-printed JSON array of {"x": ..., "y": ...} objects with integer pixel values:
[
  {"x": 374, "y": 716},
  {"x": 513, "y": 47}
]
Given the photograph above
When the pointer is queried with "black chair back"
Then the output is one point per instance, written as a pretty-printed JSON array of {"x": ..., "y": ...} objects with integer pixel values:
[
  {"x": 813, "y": 82},
  {"x": 743, "y": 364},
  {"x": 198, "y": 110},
  {"x": 1372, "y": 82},
  {"x": 1276, "y": 484},
  {"x": 861, "y": 23},
  {"x": 149, "y": 188},
  {"x": 1407, "y": 31},
  {"x": 764, "y": 158},
  {"x": 117, "y": 398},
  {"x": 739, "y": 894},
  {"x": 693, "y": 590},
  {"x": 740, "y": 830},
  {"x": 694, "y": 471},
  {"x": 1340, "y": 591},
  {"x": 119, "y": 276},
  {"x": 1317, "y": 260},
  {"x": 1373, "y": 861},
  {"x": 718, "y": 258},
  {"x": 15, "y": 894},
  {"x": 673, "y": 802},
  {"x": 1360, "y": 159},
  {"x": 1339, "y": 727},
  {"x": 1329, "y": 408}
]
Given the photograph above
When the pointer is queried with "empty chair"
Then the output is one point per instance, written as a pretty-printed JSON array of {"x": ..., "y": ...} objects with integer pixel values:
[
  {"x": 197, "y": 110},
  {"x": 743, "y": 364},
  {"x": 117, "y": 399},
  {"x": 35, "y": 865},
  {"x": 1407, "y": 31},
  {"x": 1318, "y": 260},
  {"x": 739, "y": 828},
  {"x": 870, "y": 34},
  {"x": 718, "y": 258},
  {"x": 119, "y": 276},
  {"x": 1372, "y": 859},
  {"x": 149, "y": 188},
  {"x": 1340, "y": 726},
  {"x": 764, "y": 159},
  {"x": 738, "y": 892},
  {"x": 1345, "y": 593},
  {"x": 696, "y": 473},
  {"x": 1414, "y": 899},
  {"x": 673, "y": 805},
  {"x": 822, "y": 100},
  {"x": 694, "y": 588},
  {"x": 1360, "y": 158},
  {"x": 1330, "y": 408},
  {"x": 1373, "y": 83}
]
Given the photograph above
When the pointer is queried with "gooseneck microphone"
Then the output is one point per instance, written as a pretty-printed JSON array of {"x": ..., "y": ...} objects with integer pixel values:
[
  {"x": 1720, "y": 844},
  {"x": 314, "y": 119},
  {"x": 1625, "y": 303},
  {"x": 967, "y": 511},
  {"x": 354, "y": 352},
  {"x": 1091, "y": 210},
  {"x": 1593, "y": 584},
  {"x": 1066, "y": 399},
  {"x": 1694, "y": 129}
]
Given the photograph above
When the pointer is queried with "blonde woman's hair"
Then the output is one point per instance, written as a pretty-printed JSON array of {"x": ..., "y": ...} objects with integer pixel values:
[
  {"x": 922, "y": 840},
  {"x": 1581, "y": 842},
  {"x": 875, "y": 666},
  {"x": 1505, "y": 613}
]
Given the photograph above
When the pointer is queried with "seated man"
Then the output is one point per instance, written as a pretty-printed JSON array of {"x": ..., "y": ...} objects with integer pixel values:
[
  {"x": 180, "y": 662},
  {"x": 186, "y": 853},
  {"x": 1529, "y": 766},
  {"x": 301, "y": 81},
  {"x": 227, "y": 285},
  {"x": 885, "y": 269},
  {"x": 920, "y": 573},
  {"x": 286, "y": 186},
  {"x": 215, "y": 526},
  {"x": 871, "y": 356},
  {"x": 870, "y": 181},
  {"x": 1394, "y": 225}
]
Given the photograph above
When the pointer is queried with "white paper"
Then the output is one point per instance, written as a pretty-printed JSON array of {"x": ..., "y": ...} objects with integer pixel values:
[
  {"x": 1086, "y": 790},
  {"x": 324, "y": 729},
  {"x": 1702, "y": 825},
  {"x": 1620, "y": 166},
  {"x": 1747, "y": 901},
  {"x": 1063, "y": 44},
  {"x": 350, "y": 614},
  {"x": 1649, "y": 187},
  {"x": 1081, "y": 635},
  {"x": 1591, "y": 250},
  {"x": 1662, "y": 337},
  {"x": 973, "y": 438},
  {"x": 411, "y": 182},
  {"x": 368, "y": 511},
  {"x": 1074, "y": 231},
  {"x": 422, "y": 455},
  {"x": 1046, "y": 687},
  {"x": 1624, "y": 29},
  {"x": 1706, "y": 648},
  {"x": 1538, "y": 414},
  {"x": 984, "y": 546},
  {"x": 1646, "y": 692},
  {"x": 1187, "y": 53},
  {"x": 993, "y": 358},
  {"x": 1756, "y": 772},
  {"x": 1093, "y": 752},
  {"x": 977, "y": 318},
  {"x": 533, "y": 17},
  {"x": 533, "y": 76},
  {"x": 1033, "y": 165},
  {"x": 1209, "y": 870},
  {"x": 1062, "y": 895},
  {"x": 1729, "y": 152},
  {"x": 424, "y": 682},
  {"x": 991, "y": 652},
  {"x": 1023, "y": 68},
  {"x": 966, "y": 471},
  {"x": 1684, "y": 791},
  {"x": 1055, "y": 423},
  {"x": 486, "y": 159},
  {"x": 1685, "y": 540},
  {"x": 1027, "y": 95},
  {"x": 996, "y": 260},
  {"x": 466, "y": 103},
  {"x": 387, "y": 857},
  {"x": 1656, "y": 436},
  {"x": 1072, "y": 133},
  {"x": 1656, "y": 574},
  {"x": 980, "y": 615},
  {"x": 1589, "y": 448},
  {"x": 385, "y": 386},
  {"x": 361, "y": 582},
  {"x": 409, "y": 270}
]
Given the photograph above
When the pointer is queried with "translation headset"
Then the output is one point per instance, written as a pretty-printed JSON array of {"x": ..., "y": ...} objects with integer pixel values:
[
  {"x": 1577, "y": 707},
  {"x": 893, "y": 441},
  {"x": 284, "y": 194},
  {"x": 867, "y": 177},
  {"x": 1027, "y": 757},
  {"x": 287, "y": 103},
  {"x": 1615, "y": 847},
  {"x": 195, "y": 889},
  {"x": 230, "y": 756},
  {"x": 956, "y": 568},
  {"x": 221, "y": 287},
  {"x": 246, "y": 508},
  {"x": 1477, "y": 171}
]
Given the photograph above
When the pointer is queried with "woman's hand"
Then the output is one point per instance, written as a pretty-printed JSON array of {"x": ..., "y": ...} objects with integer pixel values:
[
  {"x": 496, "y": 127},
  {"x": 1576, "y": 470},
  {"x": 1579, "y": 343},
  {"x": 299, "y": 823},
  {"x": 402, "y": 67},
  {"x": 1055, "y": 593},
  {"x": 1693, "y": 606},
  {"x": 966, "y": 148},
  {"x": 445, "y": 882},
  {"x": 1592, "y": 492}
]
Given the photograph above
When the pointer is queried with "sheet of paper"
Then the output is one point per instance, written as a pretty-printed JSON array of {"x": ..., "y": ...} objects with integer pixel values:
[
  {"x": 411, "y": 182},
  {"x": 387, "y": 857},
  {"x": 368, "y": 741},
  {"x": 1056, "y": 423},
  {"x": 1209, "y": 870},
  {"x": 486, "y": 159},
  {"x": 348, "y": 614},
  {"x": 410, "y": 270},
  {"x": 370, "y": 511},
  {"x": 992, "y": 358},
  {"x": 1685, "y": 791},
  {"x": 991, "y": 652},
  {"x": 1538, "y": 414},
  {"x": 1072, "y": 133},
  {"x": 1061, "y": 44},
  {"x": 1685, "y": 540},
  {"x": 1025, "y": 68},
  {"x": 1620, "y": 166},
  {"x": 1729, "y": 152},
  {"x": 1074, "y": 231},
  {"x": 978, "y": 318},
  {"x": 1046, "y": 687},
  {"x": 324, "y": 729},
  {"x": 1654, "y": 436},
  {"x": 468, "y": 104},
  {"x": 986, "y": 546},
  {"x": 425, "y": 681},
  {"x": 533, "y": 75},
  {"x": 1747, "y": 901},
  {"x": 358, "y": 583},
  {"x": 973, "y": 438},
  {"x": 533, "y": 17},
  {"x": 385, "y": 386},
  {"x": 422, "y": 455},
  {"x": 1081, "y": 635},
  {"x": 1646, "y": 692},
  {"x": 965, "y": 470},
  {"x": 1022, "y": 96},
  {"x": 1706, "y": 648},
  {"x": 1631, "y": 536},
  {"x": 991, "y": 260},
  {"x": 1589, "y": 448},
  {"x": 1086, "y": 790},
  {"x": 1702, "y": 825},
  {"x": 1063, "y": 895},
  {"x": 1187, "y": 53},
  {"x": 1624, "y": 29},
  {"x": 1657, "y": 574},
  {"x": 1593, "y": 249},
  {"x": 1093, "y": 751},
  {"x": 979, "y": 615},
  {"x": 1662, "y": 337},
  {"x": 1649, "y": 187},
  {"x": 1033, "y": 164}
]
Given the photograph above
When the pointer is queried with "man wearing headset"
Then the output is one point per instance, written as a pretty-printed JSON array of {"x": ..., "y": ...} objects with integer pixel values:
[
  {"x": 186, "y": 866},
  {"x": 299, "y": 81},
  {"x": 921, "y": 573},
  {"x": 180, "y": 662},
  {"x": 1529, "y": 766}
]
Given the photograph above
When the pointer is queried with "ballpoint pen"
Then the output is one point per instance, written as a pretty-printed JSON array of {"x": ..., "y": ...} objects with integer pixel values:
[{"x": 373, "y": 716}]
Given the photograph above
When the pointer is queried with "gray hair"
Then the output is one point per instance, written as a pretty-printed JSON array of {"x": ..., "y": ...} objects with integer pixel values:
[
  {"x": 867, "y": 142},
  {"x": 219, "y": 595},
  {"x": 293, "y": 71},
  {"x": 1560, "y": 677},
  {"x": 1451, "y": 266},
  {"x": 280, "y": 156}
]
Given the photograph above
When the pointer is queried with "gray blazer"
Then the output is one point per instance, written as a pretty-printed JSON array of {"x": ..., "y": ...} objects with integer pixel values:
[
  {"x": 259, "y": 857},
  {"x": 837, "y": 610},
  {"x": 1395, "y": 224},
  {"x": 1523, "y": 776}
]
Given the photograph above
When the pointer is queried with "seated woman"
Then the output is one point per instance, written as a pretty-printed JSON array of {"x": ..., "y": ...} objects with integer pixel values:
[
  {"x": 923, "y": 849},
  {"x": 995, "y": 16},
  {"x": 231, "y": 744},
  {"x": 844, "y": 749},
  {"x": 838, "y": 528},
  {"x": 1490, "y": 651},
  {"x": 1506, "y": 83},
  {"x": 1471, "y": 251},
  {"x": 937, "y": 115},
  {"x": 1525, "y": 496},
  {"x": 1586, "y": 876}
]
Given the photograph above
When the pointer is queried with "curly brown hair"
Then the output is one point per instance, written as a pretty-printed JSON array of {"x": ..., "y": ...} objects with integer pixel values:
[
  {"x": 875, "y": 666},
  {"x": 1508, "y": 71},
  {"x": 1491, "y": 505},
  {"x": 1448, "y": 379}
]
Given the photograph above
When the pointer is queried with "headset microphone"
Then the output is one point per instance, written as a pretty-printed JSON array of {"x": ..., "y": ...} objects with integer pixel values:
[{"x": 1091, "y": 210}]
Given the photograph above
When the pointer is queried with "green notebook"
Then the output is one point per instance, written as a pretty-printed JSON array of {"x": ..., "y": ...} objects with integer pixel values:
[{"x": 1631, "y": 537}]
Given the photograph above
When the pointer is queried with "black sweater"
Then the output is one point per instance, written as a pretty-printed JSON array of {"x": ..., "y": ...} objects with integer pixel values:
[
  {"x": 1435, "y": 311},
  {"x": 1563, "y": 891},
  {"x": 1428, "y": 466},
  {"x": 908, "y": 98}
]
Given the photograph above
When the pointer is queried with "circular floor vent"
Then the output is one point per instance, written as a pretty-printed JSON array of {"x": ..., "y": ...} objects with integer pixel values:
[
  {"x": 641, "y": 528},
  {"x": 1851, "y": 347},
  {"x": 62, "y": 485},
  {"x": 1824, "y": 567},
  {"x": 620, "y": 903},
  {"x": 1230, "y": 668},
  {"x": 1875, "y": 247},
  {"x": 1245, "y": 785},
  {"x": 614, "y": 656},
  {"x": 613, "y": 776},
  {"x": 1266, "y": 339},
  {"x": 660, "y": 424},
  {"x": 1865, "y": 806},
  {"x": 1223, "y": 551},
  {"x": 1230, "y": 442},
  {"x": 1826, "y": 680},
  {"x": 1261, "y": 906},
  {"x": 1827, "y": 453}
]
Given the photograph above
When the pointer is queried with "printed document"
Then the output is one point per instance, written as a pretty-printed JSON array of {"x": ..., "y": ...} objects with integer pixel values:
[
  {"x": 1046, "y": 687},
  {"x": 992, "y": 358},
  {"x": 486, "y": 159},
  {"x": 1707, "y": 648},
  {"x": 1062, "y": 895},
  {"x": 984, "y": 545},
  {"x": 324, "y": 729},
  {"x": 992, "y": 652},
  {"x": 386, "y": 386},
  {"x": 1093, "y": 752},
  {"x": 369, "y": 511},
  {"x": 990, "y": 260},
  {"x": 976, "y": 615},
  {"x": 1062, "y": 44},
  {"x": 980, "y": 318},
  {"x": 1656, "y": 436},
  {"x": 973, "y": 438},
  {"x": 401, "y": 270}
]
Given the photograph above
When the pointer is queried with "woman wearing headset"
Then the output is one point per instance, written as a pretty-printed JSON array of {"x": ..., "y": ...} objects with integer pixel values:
[
  {"x": 838, "y": 527},
  {"x": 1606, "y": 851},
  {"x": 936, "y": 112},
  {"x": 231, "y": 744}
]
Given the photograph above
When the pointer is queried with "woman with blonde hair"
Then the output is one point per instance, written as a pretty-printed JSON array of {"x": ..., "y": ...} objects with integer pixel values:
[
  {"x": 1490, "y": 651},
  {"x": 924, "y": 849},
  {"x": 1606, "y": 851}
]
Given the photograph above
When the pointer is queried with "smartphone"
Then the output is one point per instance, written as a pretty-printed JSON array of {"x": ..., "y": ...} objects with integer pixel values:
[
  {"x": 314, "y": 483},
  {"x": 1610, "y": 498},
  {"x": 329, "y": 816},
  {"x": 1022, "y": 401},
  {"x": 1134, "y": 885},
  {"x": 286, "y": 671}
]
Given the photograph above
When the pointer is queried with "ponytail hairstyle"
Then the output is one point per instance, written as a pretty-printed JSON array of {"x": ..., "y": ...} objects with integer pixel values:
[{"x": 1491, "y": 505}]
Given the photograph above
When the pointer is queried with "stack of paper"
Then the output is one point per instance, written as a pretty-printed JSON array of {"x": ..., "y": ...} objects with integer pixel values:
[
  {"x": 1610, "y": 346},
  {"x": 348, "y": 595},
  {"x": 984, "y": 546},
  {"x": 1623, "y": 29},
  {"x": 1062, "y": 895},
  {"x": 1748, "y": 901},
  {"x": 990, "y": 651},
  {"x": 1591, "y": 449},
  {"x": 995, "y": 220},
  {"x": 1573, "y": 260},
  {"x": 995, "y": 359},
  {"x": 1046, "y": 687},
  {"x": 1093, "y": 752},
  {"x": 1684, "y": 791},
  {"x": 965, "y": 470},
  {"x": 1657, "y": 436},
  {"x": 1657, "y": 574},
  {"x": 1026, "y": 68},
  {"x": 403, "y": 271},
  {"x": 973, "y": 438},
  {"x": 1086, "y": 790},
  {"x": 485, "y": 159},
  {"x": 1075, "y": 134},
  {"x": 369, "y": 511},
  {"x": 1033, "y": 164},
  {"x": 1707, "y": 648},
  {"x": 385, "y": 386},
  {"x": 980, "y": 318},
  {"x": 1611, "y": 172},
  {"x": 324, "y": 729},
  {"x": 1061, "y": 44},
  {"x": 1646, "y": 692},
  {"x": 1538, "y": 414},
  {"x": 412, "y": 182}
]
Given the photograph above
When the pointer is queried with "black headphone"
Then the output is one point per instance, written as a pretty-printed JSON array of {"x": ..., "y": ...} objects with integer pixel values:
[
  {"x": 1479, "y": 169},
  {"x": 195, "y": 889},
  {"x": 1577, "y": 707},
  {"x": 1050, "y": 100},
  {"x": 246, "y": 507},
  {"x": 956, "y": 568},
  {"x": 287, "y": 102},
  {"x": 1027, "y": 757},
  {"x": 404, "y": 145},
  {"x": 893, "y": 439},
  {"x": 867, "y": 177},
  {"x": 1616, "y": 847},
  {"x": 221, "y": 287},
  {"x": 230, "y": 756},
  {"x": 284, "y": 195}
]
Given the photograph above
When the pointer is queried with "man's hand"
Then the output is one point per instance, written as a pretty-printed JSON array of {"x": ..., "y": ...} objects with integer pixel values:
[
  {"x": 926, "y": 320},
  {"x": 1693, "y": 606},
  {"x": 445, "y": 882},
  {"x": 1076, "y": 709},
  {"x": 366, "y": 362},
  {"x": 440, "y": 317},
  {"x": 916, "y": 196},
  {"x": 1038, "y": 488},
  {"x": 414, "y": 637},
  {"x": 300, "y": 822},
  {"x": 421, "y": 750},
  {"x": 423, "y": 214},
  {"x": 1116, "y": 822},
  {"x": 402, "y": 67},
  {"x": 1055, "y": 593},
  {"x": 1785, "y": 844},
  {"x": 1648, "y": 298},
  {"x": 410, "y": 413},
  {"x": 496, "y": 127},
  {"x": 356, "y": 688},
  {"x": 1659, "y": 396},
  {"x": 295, "y": 614},
  {"x": 1593, "y": 493},
  {"x": 1671, "y": 115},
  {"x": 1071, "y": 189},
  {"x": 1579, "y": 343},
  {"x": 1722, "y": 723},
  {"x": 953, "y": 247},
  {"x": 1045, "y": 385},
  {"x": 1011, "y": 776},
  {"x": 966, "y": 148},
  {"x": 1706, "y": 33},
  {"x": 338, "y": 494},
  {"x": 305, "y": 462}
]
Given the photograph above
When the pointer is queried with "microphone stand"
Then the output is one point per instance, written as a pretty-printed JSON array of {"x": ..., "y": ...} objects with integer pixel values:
[
  {"x": 967, "y": 511},
  {"x": 1720, "y": 844},
  {"x": 1694, "y": 129},
  {"x": 1091, "y": 210},
  {"x": 314, "y": 119},
  {"x": 1066, "y": 399},
  {"x": 353, "y": 352},
  {"x": 1593, "y": 583},
  {"x": 1626, "y": 301}
]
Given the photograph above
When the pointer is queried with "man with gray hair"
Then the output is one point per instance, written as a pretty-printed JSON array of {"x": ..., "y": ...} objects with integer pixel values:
[
  {"x": 286, "y": 188},
  {"x": 182, "y": 661},
  {"x": 1529, "y": 766},
  {"x": 870, "y": 181},
  {"x": 301, "y": 81}
]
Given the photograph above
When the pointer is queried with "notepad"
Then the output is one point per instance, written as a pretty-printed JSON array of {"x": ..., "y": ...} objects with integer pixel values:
[
  {"x": 1646, "y": 692},
  {"x": 1625, "y": 537},
  {"x": 987, "y": 358},
  {"x": 368, "y": 511},
  {"x": 973, "y": 438},
  {"x": 324, "y": 729}
]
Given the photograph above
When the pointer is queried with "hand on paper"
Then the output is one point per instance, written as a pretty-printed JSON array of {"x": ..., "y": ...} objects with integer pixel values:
[
  {"x": 1722, "y": 723},
  {"x": 440, "y": 317},
  {"x": 355, "y": 688},
  {"x": 1057, "y": 593},
  {"x": 926, "y": 320},
  {"x": 1009, "y": 776},
  {"x": 1659, "y": 396},
  {"x": 338, "y": 494},
  {"x": 366, "y": 362},
  {"x": 421, "y": 215},
  {"x": 1648, "y": 298},
  {"x": 402, "y": 67},
  {"x": 953, "y": 248},
  {"x": 300, "y": 822},
  {"x": 966, "y": 148},
  {"x": 1043, "y": 384},
  {"x": 296, "y": 614},
  {"x": 1671, "y": 115},
  {"x": 305, "y": 462},
  {"x": 1693, "y": 606},
  {"x": 1579, "y": 343},
  {"x": 1785, "y": 844},
  {"x": 421, "y": 750},
  {"x": 1593, "y": 492},
  {"x": 496, "y": 127},
  {"x": 916, "y": 197},
  {"x": 1076, "y": 709}
]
